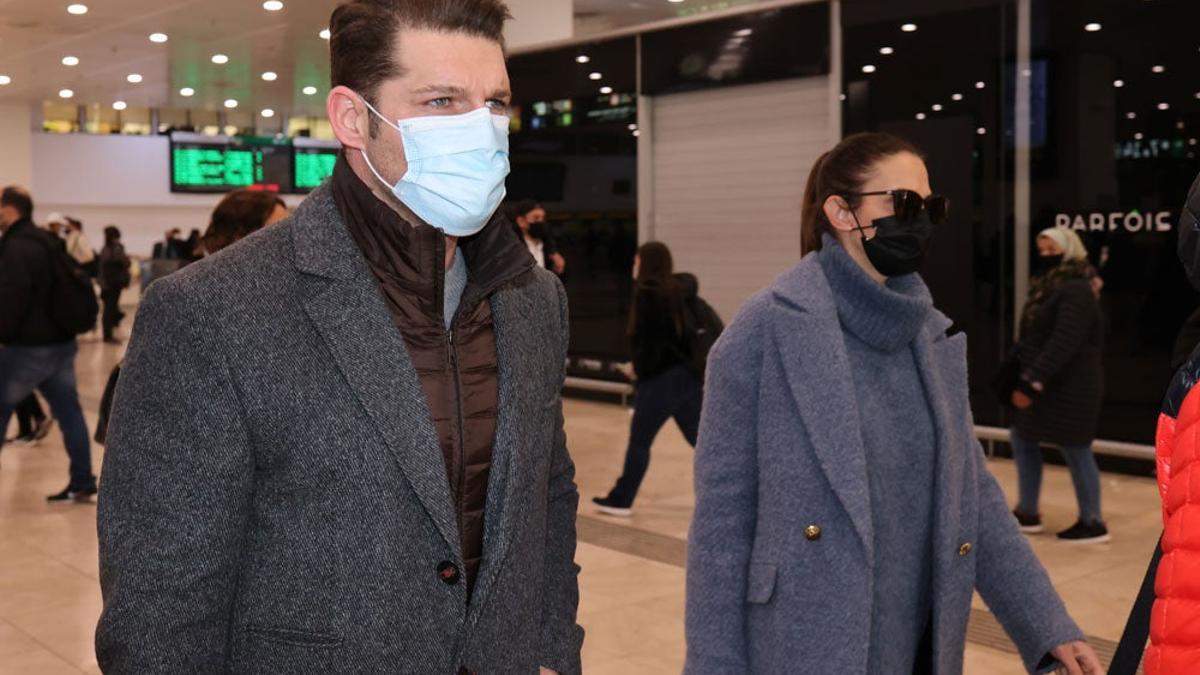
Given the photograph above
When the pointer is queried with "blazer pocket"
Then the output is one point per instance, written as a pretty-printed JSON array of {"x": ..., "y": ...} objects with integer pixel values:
[
  {"x": 295, "y": 638},
  {"x": 760, "y": 586}
]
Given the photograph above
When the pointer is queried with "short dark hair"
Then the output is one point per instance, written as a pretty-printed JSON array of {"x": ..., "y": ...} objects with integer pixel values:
[
  {"x": 19, "y": 199},
  {"x": 363, "y": 35},
  {"x": 521, "y": 208},
  {"x": 240, "y": 214}
]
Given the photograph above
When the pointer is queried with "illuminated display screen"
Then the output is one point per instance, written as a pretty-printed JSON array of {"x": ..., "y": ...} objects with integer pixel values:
[
  {"x": 217, "y": 164},
  {"x": 313, "y": 166}
]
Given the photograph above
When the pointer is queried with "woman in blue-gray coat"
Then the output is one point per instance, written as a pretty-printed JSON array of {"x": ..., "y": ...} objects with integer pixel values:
[{"x": 844, "y": 512}]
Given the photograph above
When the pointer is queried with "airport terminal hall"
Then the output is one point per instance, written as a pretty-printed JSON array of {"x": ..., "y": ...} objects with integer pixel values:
[{"x": 617, "y": 337}]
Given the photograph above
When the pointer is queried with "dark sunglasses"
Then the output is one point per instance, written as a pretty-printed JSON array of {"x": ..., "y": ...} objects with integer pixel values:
[{"x": 909, "y": 204}]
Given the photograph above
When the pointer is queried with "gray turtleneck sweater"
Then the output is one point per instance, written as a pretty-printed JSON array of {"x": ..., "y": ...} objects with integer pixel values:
[{"x": 880, "y": 323}]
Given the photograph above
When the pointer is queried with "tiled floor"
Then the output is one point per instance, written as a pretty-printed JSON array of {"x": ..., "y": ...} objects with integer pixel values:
[{"x": 632, "y": 604}]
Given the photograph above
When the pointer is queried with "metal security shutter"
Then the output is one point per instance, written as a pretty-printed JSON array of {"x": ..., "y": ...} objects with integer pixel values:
[{"x": 728, "y": 172}]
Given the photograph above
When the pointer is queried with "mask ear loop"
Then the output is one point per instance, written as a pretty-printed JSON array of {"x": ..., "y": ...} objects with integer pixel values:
[
  {"x": 862, "y": 231},
  {"x": 363, "y": 150}
]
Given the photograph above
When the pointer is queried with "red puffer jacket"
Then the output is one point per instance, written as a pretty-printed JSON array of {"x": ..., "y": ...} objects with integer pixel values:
[{"x": 1175, "y": 622}]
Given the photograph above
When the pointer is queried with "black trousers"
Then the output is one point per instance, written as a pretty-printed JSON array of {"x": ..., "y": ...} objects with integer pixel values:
[
  {"x": 29, "y": 415},
  {"x": 112, "y": 311}
]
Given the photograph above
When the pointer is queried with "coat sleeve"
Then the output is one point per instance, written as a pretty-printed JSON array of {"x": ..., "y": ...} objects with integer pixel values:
[
  {"x": 1013, "y": 582},
  {"x": 1073, "y": 323},
  {"x": 561, "y": 635},
  {"x": 175, "y": 499},
  {"x": 16, "y": 286},
  {"x": 726, "y": 482}
]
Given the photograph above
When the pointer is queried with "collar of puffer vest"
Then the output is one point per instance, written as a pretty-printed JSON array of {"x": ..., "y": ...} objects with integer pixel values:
[{"x": 410, "y": 258}]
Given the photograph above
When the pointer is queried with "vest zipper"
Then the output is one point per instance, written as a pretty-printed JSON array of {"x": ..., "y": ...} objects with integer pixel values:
[{"x": 452, "y": 355}]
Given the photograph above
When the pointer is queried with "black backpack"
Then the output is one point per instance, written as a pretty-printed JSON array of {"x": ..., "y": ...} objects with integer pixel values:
[
  {"x": 73, "y": 304},
  {"x": 701, "y": 328}
]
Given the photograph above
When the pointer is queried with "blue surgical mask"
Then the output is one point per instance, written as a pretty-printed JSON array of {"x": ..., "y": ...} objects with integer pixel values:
[{"x": 456, "y": 168}]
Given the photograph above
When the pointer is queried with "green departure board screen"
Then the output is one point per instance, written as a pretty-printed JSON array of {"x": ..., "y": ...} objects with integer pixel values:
[
  {"x": 212, "y": 164},
  {"x": 312, "y": 166}
]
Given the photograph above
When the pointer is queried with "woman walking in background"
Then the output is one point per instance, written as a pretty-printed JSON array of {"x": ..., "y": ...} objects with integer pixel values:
[
  {"x": 666, "y": 386},
  {"x": 845, "y": 514},
  {"x": 1061, "y": 385},
  {"x": 114, "y": 278}
]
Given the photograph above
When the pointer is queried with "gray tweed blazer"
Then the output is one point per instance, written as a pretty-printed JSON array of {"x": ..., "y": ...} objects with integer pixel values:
[{"x": 274, "y": 498}]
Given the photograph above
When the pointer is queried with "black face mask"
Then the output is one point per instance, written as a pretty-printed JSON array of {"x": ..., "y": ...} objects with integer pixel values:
[
  {"x": 898, "y": 248},
  {"x": 1048, "y": 263}
]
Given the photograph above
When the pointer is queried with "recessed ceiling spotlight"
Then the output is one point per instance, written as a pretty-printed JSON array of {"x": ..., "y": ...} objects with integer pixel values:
[
  {"x": 267, "y": 112},
  {"x": 980, "y": 85},
  {"x": 841, "y": 97},
  {"x": 187, "y": 91},
  {"x": 937, "y": 107},
  {"x": 1118, "y": 83},
  {"x": 77, "y": 9},
  {"x": 324, "y": 34},
  {"x": 134, "y": 78},
  {"x": 1198, "y": 94},
  {"x": 675, "y": 1},
  {"x": 982, "y": 131},
  {"x": 745, "y": 32},
  {"x": 65, "y": 93},
  {"x": 583, "y": 58},
  {"x": 595, "y": 76},
  {"x": 637, "y": 133},
  {"x": 1139, "y": 136},
  {"x": 1192, "y": 141},
  {"x": 1158, "y": 69},
  {"x": 158, "y": 38},
  {"x": 220, "y": 59},
  {"x": 1164, "y": 106},
  {"x": 272, "y": 5},
  {"x": 309, "y": 90},
  {"x": 956, "y": 97},
  {"x": 231, "y": 103},
  {"x": 270, "y": 76},
  {"x": 868, "y": 69},
  {"x": 119, "y": 105},
  {"x": 1131, "y": 116},
  {"x": 632, "y": 127},
  {"x": 5, "y": 80},
  {"x": 1093, "y": 27},
  {"x": 909, "y": 28},
  {"x": 921, "y": 116},
  {"x": 70, "y": 60},
  {"x": 887, "y": 51},
  {"x": 1180, "y": 125},
  {"x": 606, "y": 90}
]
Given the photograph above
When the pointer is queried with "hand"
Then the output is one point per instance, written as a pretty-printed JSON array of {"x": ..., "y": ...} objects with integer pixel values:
[
  {"x": 627, "y": 370},
  {"x": 1077, "y": 658},
  {"x": 547, "y": 671},
  {"x": 1021, "y": 401},
  {"x": 559, "y": 263}
]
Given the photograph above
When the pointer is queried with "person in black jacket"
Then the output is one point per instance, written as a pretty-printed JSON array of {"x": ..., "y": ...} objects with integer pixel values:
[
  {"x": 1062, "y": 382},
  {"x": 114, "y": 278},
  {"x": 666, "y": 387},
  {"x": 36, "y": 353},
  {"x": 529, "y": 219}
]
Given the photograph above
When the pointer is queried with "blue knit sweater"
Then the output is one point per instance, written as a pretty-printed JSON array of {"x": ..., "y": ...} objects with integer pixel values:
[{"x": 879, "y": 323}]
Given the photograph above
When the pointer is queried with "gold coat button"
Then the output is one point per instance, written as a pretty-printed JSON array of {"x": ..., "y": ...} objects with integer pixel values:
[
  {"x": 812, "y": 533},
  {"x": 965, "y": 550}
]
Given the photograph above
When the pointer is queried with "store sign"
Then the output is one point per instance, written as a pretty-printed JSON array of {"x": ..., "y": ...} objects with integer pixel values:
[{"x": 1133, "y": 222}]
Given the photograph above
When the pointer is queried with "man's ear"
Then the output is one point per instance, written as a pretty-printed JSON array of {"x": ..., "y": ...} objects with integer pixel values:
[{"x": 349, "y": 117}]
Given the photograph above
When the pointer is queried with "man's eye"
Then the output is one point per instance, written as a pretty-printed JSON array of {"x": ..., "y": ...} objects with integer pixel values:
[
  {"x": 497, "y": 105},
  {"x": 442, "y": 102}
]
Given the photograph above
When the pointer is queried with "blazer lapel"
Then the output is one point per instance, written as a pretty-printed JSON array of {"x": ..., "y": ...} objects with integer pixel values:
[
  {"x": 347, "y": 311},
  {"x": 810, "y": 344}
]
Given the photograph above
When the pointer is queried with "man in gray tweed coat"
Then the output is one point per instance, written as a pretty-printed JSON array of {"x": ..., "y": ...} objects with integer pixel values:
[{"x": 337, "y": 446}]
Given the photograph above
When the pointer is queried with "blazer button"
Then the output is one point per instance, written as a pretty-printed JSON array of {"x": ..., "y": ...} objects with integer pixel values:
[
  {"x": 965, "y": 550},
  {"x": 448, "y": 573},
  {"x": 812, "y": 532}
]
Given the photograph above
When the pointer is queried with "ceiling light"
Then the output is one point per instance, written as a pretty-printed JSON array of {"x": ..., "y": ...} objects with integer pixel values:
[
  {"x": 841, "y": 97},
  {"x": 272, "y": 5},
  {"x": 957, "y": 97},
  {"x": 582, "y": 58},
  {"x": 868, "y": 69},
  {"x": 231, "y": 103},
  {"x": 1159, "y": 69},
  {"x": 309, "y": 90},
  {"x": 270, "y": 76},
  {"x": 632, "y": 127},
  {"x": 920, "y": 116},
  {"x": 1164, "y": 106},
  {"x": 324, "y": 34},
  {"x": 70, "y": 60},
  {"x": 158, "y": 38},
  {"x": 980, "y": 85},
  {"x": 596, "y": 76},
  {"x": 220, "y": 59},
  {"x": 1093, "y": 27},
  {"x": 675, "y": 1},
  {"x": 119, "y": 105},
  {"x": 5, "y": 80},
  {"x": 606, "y": 90},
  {"x": 1027, "y": 72},
  {"x": 745, "y": 32},
  {"x": 1118, "y": 83},
  {"x": 65, "y": 93},
  {"x": 187, "y": 91},
  {"x": 982, "y": 131},
  {"x": 887, "y": 51},
  {"x": 1131, "y": 116},
  {"x": 909, "y": 28},
  {"x": 1198, "y": 94},
  {"x": 1138, "y": 136},
  {"x": 1180, "y": 125},
  {"x": 1191, "y": 141},
  {"x": 134, "y": 78},
  {"x": 636, "y": 133},
  {"x": 267, "y": 112},
  {"x": 77, "y": 9},
  {"x": 937, "y": 107}
]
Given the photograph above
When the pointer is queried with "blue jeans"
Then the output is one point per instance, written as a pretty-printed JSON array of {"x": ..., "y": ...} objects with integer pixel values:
[
  {"x": 1085, "y": 474},
  {"x": 50, "y": 370},
  {"x": 676, "y": 393}
]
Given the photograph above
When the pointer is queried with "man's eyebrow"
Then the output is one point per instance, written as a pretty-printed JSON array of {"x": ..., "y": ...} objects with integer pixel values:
[
  {"x": 502, "y": 94},
  {"x": 443, "y": 89}
]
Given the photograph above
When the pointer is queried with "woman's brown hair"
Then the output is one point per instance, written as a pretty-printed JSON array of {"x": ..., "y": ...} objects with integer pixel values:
[
  {"x": 656, "y": 274},
  {"x": 240, "y": 214},
  {"x": 842, "y": 171}
]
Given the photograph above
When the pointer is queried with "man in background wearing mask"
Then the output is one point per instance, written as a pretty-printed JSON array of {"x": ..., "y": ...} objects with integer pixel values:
[
  {"x": 338, "y": 447},
  {"x": 530, "y": 220}
]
